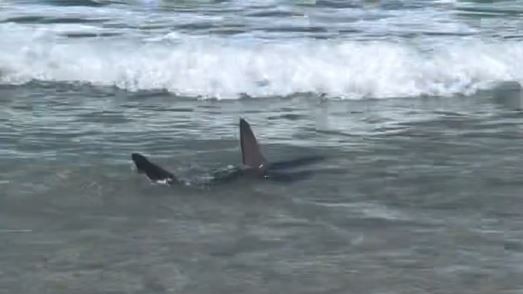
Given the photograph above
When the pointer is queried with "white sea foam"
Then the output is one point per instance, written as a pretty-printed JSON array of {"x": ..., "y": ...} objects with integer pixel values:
[{"x": 229, "y": 68}]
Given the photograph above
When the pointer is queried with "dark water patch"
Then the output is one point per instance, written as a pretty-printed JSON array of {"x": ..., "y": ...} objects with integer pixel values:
[
  {"x": 116, "y": 25},
  {"x": 90, "y": 3},
  {"x": 445, "y": 113},
  {"x": 288, "y": 116},
  {"x": 195, "y": 6},
  {"x": 196, "y": 26},
  {"x": 227, "y": 31},
  {"x": 152, "y": 27},
  {"x": 52, "y": 20},
  {"x": 513, "y": 37},
  {"x": 103, "y": 117},
  {"x": 210, "y": 105},
  {"x": 296, "y": 29},
  {"x": 488, "y": 12},
  {"x": 445, "y": 34},
  {"x": 181, "y": 109},
  {"x": 349, "y": 31},
  {"x": 273, "y": 13},
  {"x": 90, "y": 35},
  {"x": 337, "y": 4},
  {"x": 516, "y": 246},
  {"x": 65, "y": 20},
  {"x": 149, "y": 93},
  {"x": 25, "y": 19},
  {"x": 508, "y": 94}
]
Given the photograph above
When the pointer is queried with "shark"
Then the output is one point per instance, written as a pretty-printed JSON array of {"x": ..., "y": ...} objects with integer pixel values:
[{"x": 254, "y": 164}]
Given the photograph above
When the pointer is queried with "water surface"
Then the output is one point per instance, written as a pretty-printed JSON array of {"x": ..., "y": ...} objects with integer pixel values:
[{"x": 414, "y": 104}]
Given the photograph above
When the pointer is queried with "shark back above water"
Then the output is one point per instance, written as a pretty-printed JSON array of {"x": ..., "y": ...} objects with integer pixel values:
[{"x": 253, "y": 163}]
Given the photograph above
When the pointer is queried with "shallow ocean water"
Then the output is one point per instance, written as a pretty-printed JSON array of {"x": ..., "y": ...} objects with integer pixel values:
[{"x": 418, "y": 192}]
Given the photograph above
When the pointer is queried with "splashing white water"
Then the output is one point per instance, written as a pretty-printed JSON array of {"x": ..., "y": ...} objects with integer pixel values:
[{"x": 227, "y": 68}]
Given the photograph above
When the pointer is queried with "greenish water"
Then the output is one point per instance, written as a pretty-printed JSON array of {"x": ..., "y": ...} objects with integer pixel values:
[{"x": 415, "y": 106}]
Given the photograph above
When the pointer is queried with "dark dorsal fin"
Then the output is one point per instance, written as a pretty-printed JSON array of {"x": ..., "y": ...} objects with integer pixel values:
[
  {"x": 151, "y": 170},
  {"x": 251, "y": 153}
]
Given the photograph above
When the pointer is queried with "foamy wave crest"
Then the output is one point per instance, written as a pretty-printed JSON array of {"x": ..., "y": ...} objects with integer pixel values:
[{"x": 226, "y": 68}]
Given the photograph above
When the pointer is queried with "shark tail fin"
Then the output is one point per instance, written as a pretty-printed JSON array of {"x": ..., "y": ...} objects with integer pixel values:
[
  {"x": 251, "y": 152},
  {"x": 154, "y": 172}
]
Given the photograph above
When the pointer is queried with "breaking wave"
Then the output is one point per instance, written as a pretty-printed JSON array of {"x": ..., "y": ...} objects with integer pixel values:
[{"x": 230, "y": 68}]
